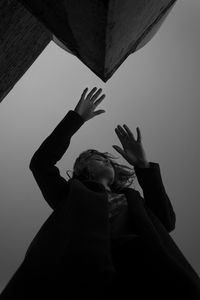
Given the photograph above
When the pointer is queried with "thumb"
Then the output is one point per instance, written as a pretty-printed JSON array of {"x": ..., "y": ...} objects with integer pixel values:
[
  {"x": 98, "y": 112},
  {"x": 122, "y": 152},
  {"x": 118, "y": 149}
]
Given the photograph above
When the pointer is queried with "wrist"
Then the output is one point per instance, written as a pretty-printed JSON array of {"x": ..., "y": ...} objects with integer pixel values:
[{"x": 80, "y": 115}]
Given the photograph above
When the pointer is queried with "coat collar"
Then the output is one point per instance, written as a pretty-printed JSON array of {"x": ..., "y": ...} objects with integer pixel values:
[
  {"x": 99, "y": 187},
  {"x": 94, "y": 185}
]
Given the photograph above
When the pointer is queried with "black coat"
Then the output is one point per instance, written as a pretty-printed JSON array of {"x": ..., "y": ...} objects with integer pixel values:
[{"x": 78, "y": 253}]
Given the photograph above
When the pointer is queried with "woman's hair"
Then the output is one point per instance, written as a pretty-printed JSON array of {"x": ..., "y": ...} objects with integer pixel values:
[{"x": 124, "y": 175}]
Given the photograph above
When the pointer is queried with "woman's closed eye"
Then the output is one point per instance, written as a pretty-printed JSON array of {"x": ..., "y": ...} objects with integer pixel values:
[
  {"x": 102, "y": 159},
  {"x": 106, "y": 161}
]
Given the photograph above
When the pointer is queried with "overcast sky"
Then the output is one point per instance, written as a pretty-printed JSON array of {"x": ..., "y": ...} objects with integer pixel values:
[{"x": 156, "y": 88}]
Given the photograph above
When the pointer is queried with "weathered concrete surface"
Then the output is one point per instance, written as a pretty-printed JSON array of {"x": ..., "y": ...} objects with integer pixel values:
[
  {"x": 22, "y": 39},
  {"x": 132, "y": 24},
  {"x": 101, "y": 33}
]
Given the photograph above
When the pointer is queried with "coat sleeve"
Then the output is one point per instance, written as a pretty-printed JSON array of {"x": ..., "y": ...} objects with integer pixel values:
[
  {"x": 42, "y": 165},
  {"x": 155, "y": 195}
]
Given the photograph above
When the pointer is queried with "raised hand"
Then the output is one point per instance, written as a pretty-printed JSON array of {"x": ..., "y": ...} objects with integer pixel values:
[
  {"x": 133, "y": 150},
  {"x": 87, "y": 104}
]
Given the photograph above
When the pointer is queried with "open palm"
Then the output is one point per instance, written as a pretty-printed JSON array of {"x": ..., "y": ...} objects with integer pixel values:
[
  {"x": 88, "y": 103},
  {"x": 133, "y": 150}
]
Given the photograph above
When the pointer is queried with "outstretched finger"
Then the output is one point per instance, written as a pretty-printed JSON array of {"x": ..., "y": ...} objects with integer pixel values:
[
  {"x": 95, "y": 96},
  {"x": 120, "y": 136},
  {"x": 84, "y": 93},
  {"x": 97, "y": 102},
  {"x": 122, "y": 131},
  {"x": 81, "y": 98},
  {"x": 98, "y": 112},
  {"x": 91, "y": 92},
  {"x": 130, "y": 134},
  {"x": 138, "y": 134},
  {"x": 119, "y": 150}
]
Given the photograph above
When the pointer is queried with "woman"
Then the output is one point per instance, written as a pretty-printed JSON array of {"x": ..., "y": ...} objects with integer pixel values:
[{"x": 103, "y": 239}]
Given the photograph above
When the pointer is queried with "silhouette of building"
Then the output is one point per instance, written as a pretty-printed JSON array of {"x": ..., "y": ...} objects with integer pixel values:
[
  {"x": 101, "y": 33},
  {"x": 22, "y": 39}
]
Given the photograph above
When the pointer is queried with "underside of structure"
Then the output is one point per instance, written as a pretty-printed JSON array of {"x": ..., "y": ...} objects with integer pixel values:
[{"x": 100, "y": 33}]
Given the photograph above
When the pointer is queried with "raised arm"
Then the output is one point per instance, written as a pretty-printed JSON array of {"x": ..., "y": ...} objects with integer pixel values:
[
  {"x": 52, "y": 185},
  {"x": 42, "y": 165},
  {"x": 155, "y": 195},
  {"x": 148, "y": 175}
]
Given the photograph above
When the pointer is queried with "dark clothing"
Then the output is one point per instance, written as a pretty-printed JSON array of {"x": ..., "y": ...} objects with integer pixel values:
[{"x": 79, "y": 254}]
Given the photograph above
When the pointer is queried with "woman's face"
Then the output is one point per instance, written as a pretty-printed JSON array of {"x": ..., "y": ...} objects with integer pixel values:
[{"x": 101, "y": 167}]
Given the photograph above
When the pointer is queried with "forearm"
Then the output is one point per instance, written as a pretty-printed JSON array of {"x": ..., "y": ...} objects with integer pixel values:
[
  {"x": 56, "y": 144},
  {"x": 155, "y": 195}
]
